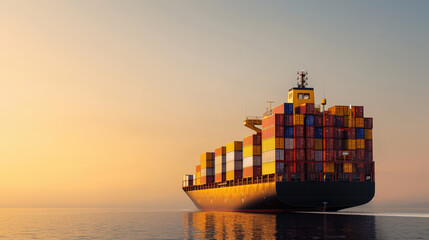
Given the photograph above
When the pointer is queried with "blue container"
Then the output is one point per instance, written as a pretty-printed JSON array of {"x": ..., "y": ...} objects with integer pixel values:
[
  {"x": 360, "y": 133},
  {"x": 288, "y": 132},
  {"x": 318, "y": 132},
  {"x": 288, "y": 108},
  {"x": 309, "y": 120}
]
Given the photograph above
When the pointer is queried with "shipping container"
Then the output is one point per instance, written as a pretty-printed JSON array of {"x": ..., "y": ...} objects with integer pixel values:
[
  {"x": 318, "y": 121},
  {"x": 309, "y": 131},
  {"x": 368, "y": 123},
  {"x": 328, "y": 132},
  {"x": 350, "y": 144},
  {"x": 254, "y": 139},
  {"x": 368, "y": 145},
  {"x": 306, "y": 108},
  {"x": 207, "y": 156},
  {"x": 328, "y": 155},
  {"x": 309, "y": 120},
  {"x": 289, "y": 155},
  {"x": 198, "y": 168},
  {"x": 318, "y": 144},
  {"x": 289, "y": 120},
  {"x": 338, "y": 133},
  {"x": 298, "y": 119},
  {"x": 289, "y": 143},
  {"x": 338, "y": 144},
  {"x": 272, "y": 168},
  {"x": 207, "y": 172},
  {"x": 318, "y": 155},
  {"x": 220, "y": 177},
  {"x": 252, "y": 150},
  {"x": 348, "y": 168},
  {"x": 273, "y": 143},
  {"x": 360, "y": 133},
  {"x": 357, "y": 111},
  {"x": 285, "y": 108},
  {"x": 368, "y": 155},
  {"x": 298, "y": 131},
  {"x": 360, "y": 122},
  {"x": 220, "y": 151},
  {"x": 360, "y": 143},
  {"x": 231, "y": 175},
  {"x": 274, "y": 131},
  {"x": 318, "y": 132},
  {"x": 328, "y": 120},
  {"x": 368, "y": 134},
  {"x": 252, "y": 161},
  {"x": 350, "y": 133},
  {"x": 289, "y": 132},
  {"x": 273, "y": 155},
  {"x": 328, "y": 143},
  {"x": 234, "y": 146},
  {"x": 309, "y": 154},
  {"x": 299, "y": 154},
  {"x": 252, "y": 172},
  {"x": 328, "y": 167},
  {"x": 220, "y": 168},
  {"x": 360, "y": 155},
  {"x": 299, "y": 143},
  {"x": 220, "y": 159},
  {"x": 349, "y": 122},
  {"x": 339, "y": 121},
  {"x": 273, "y": 120},
  {"x": 234, "y": 156},
  {"x": 309, "y": 143},
  {"x": 234, "y": 165},
  {"x": 207, "y": 164}
]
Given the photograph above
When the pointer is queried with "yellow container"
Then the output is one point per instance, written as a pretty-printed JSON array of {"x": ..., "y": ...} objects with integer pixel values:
[
  {"x": 198, "y": 175},
  {"x": 348, "y": 168},
  {"x": 328, "y": 167},
  {"x": 268, "y": 168},
  {"x": 198, "y": 182},
  {"x": 368, "y": 134},
  {"x": 273, "y": 143},
  {"x": 360, "y": 123},
  {"x": 360, "y": 143},
  {"x": 252, "y": 150},
  {"x": 318, "y": 144},
  {"x": 350, "y": 144},
  {"x": 298, "y": 119},
  {"x": 207, "y": 164},
  {"x": 349, "y": 121},
  {"x": 230, "y": 175},
  {"x": 207, "y": 156},
  {"x": 234, "y": 146}
]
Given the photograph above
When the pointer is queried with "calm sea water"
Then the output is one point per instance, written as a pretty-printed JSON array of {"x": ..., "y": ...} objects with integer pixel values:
[{"x": 142, "y": 224}]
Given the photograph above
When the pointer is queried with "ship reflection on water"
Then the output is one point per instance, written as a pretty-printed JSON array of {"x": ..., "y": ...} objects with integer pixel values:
[{"x": 232, "y": 225}]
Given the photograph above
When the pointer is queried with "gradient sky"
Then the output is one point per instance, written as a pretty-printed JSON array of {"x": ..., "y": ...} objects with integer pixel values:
[{"x": 109, "y": 103}]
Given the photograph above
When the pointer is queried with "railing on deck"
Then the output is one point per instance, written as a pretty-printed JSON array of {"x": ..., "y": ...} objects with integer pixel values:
[{"x": 306, "y": 171}]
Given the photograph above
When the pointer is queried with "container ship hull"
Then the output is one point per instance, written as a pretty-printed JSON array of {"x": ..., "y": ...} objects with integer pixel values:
[{"x": 284, "y": 196}]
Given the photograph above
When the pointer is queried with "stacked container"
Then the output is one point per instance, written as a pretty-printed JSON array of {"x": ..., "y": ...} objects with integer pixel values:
[
  {"x": 273, "y": 143},
  {"x": 252, "y": 156},
  {"x": 207, "y": 167},
  {"x": 198, "y": 175},
  {"x": 234, "y": 160},
  {"x": 220, "y": 164},
  {"x": 187, "y": 180},
  {"x": 368, "y": 138}
]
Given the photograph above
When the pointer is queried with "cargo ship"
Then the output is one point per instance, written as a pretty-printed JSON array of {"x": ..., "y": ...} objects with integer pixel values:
[{"x": 300, "y": 158}]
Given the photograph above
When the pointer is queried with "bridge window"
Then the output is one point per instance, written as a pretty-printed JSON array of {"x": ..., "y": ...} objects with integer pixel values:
[
  {"x": 300, "y": 95},
  {"x": 306, "y": 96}
]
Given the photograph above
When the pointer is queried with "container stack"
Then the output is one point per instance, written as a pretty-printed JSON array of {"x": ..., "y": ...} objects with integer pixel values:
[
  {"x": 187, "y": 180},
  {"x": 328, "y": 142},
  {"x": 220, "y": 164},
  {"x": 277, "y": 139},
  {"x": 234, "y": 160},
  {"x": 207, "y": 167},
  {"x": 198, "y": 175},
  {"x": 252, "y": 156},
  {"x": 318, "y": 141},
  {"x": 368, "y": 139}
]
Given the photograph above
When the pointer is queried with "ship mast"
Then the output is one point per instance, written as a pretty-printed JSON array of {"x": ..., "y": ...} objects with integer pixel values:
[{"x": 302, "y": 79}]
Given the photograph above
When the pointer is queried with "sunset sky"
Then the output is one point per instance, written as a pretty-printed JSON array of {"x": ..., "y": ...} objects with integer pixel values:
[{"x": 109, "y": 103}]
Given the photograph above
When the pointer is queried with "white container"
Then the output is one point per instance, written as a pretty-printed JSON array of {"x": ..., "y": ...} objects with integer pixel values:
[
  {"x": 273, "y": 155},
  {"x": 318, "y": 155},
  {"x": 234, "y": 156},
  {"x": 220, "y": 159},
  {"x": 252, "y": 161},
  {"x": 234, "y": 165}
]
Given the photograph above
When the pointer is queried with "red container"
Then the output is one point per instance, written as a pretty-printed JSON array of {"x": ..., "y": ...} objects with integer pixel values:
[
  {"x": 198, "y": 168},
  {"x": 299, "y": 143},
  {"x": 309, "y": 131},
  {"x": 338, "y": 133},
  {"x": 350, "y": 133},
  {"x": 299, "y": 154},
  {"x": 345, "y": 155},
  {"x": 360, "y": 155},
  {"x": 368, "y": 123},
  {"x": 309, "y": 154},
  {"x": 338, "y": 144},
  {"x": 220, "y": 177},
  {"x": 328, "y": 155},
  {"x": 328, "y": 120},
  {"x": 357, "y": 111},
  {"x": 252, "y": 172},
  {"x": 288, "y": 120},
  {"x": 328, "y": 143},
  {"x": 254, "y": 139},
  {"x": 306, "y": 108},
  {"x": 289, "y": 155},
  {"x": 368, "y": 155},
  {"x": 368, "y": 145},
  {"x": 309, "y": 143},
  {"x": 339, "y": 121},
  {"x": 274, "y": 131},
  {"x": 298, "y": 131},
  {"x": 290, "y": 167},
  {"x": 318, "y": 121},
  {"x": 328, "y": 132},
  {"x": 207, "y": 180},
  {"x": 220, "y": 151},
  {"x": 275, "y": 119}
]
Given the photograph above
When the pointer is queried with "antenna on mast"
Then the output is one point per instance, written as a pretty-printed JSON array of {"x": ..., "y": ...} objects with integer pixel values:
[{"x": 302, "y": 79}]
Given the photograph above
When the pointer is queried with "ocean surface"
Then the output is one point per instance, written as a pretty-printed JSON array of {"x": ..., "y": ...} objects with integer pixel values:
[{"x": 99, "y": 223}]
